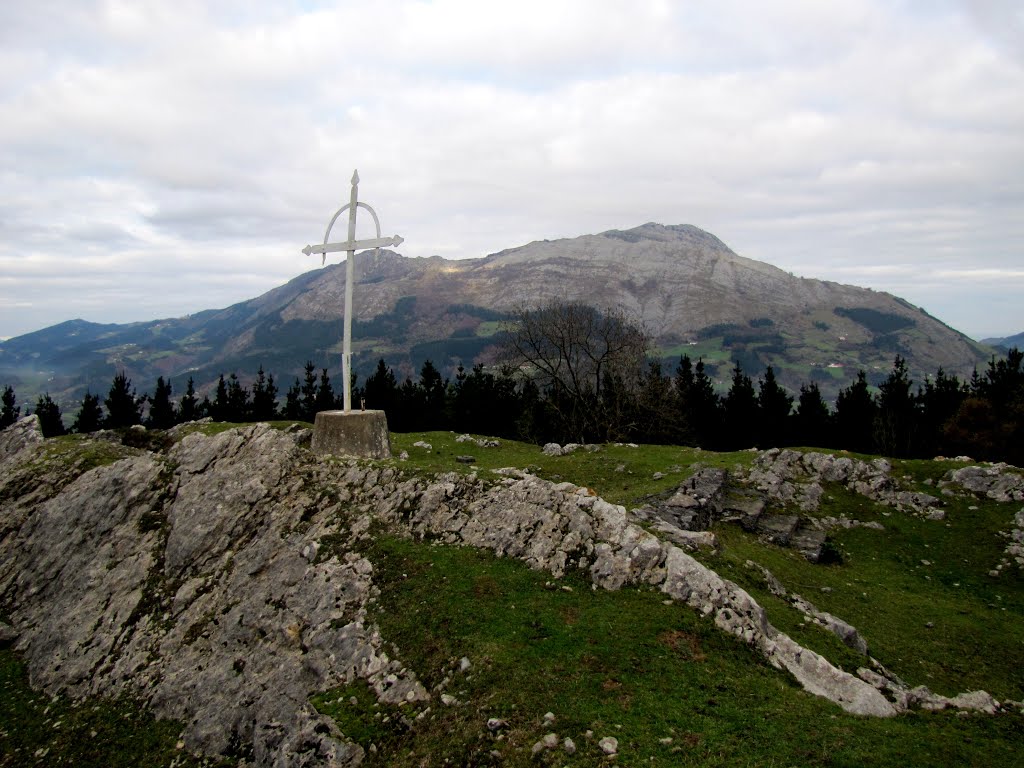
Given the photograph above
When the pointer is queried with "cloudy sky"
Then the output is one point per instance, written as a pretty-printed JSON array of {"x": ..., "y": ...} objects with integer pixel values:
[{"x": 159, "y": 158}]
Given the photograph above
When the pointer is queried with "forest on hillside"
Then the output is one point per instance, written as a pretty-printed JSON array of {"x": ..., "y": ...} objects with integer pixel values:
[{"x": 573, "y": 374}]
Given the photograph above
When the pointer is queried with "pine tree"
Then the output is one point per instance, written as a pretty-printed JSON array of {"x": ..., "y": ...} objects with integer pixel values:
[
  {"x": 9, "y": 412},
  {"x": 510, "y": 403},
  {"x": 773, "y": 407},
  {"x": 657, "y": 411},
  {"x": 704, "y": 412},
  {"x": 90, "y": 415},
  {"x": 188, "y": 408},
  {"x": 124, "y": 409},
  {"x": 411, "y": 406},
  {"x": 896, "y": 421},
  {"x": 939, "y": 401},
  {"x": 472, "y": 401},
  {"x": 271, "y": 397},
  {"x": 50, "y": 421},
  {"x": 219, "y": 409},
  {"x": 325, "y": 400},
  {"x": 812, "y": 421},
  {"x": 161, "y": 410},
  {"x": 309, "y": 392},
  {"x": 740, "y": 411},
  {"x": 434, "y": 390},
  {"x": 1004, "y": 380},
  {"x": 239, "y": 407},
  {"x": 264, "y": 397},
  {"x": 382, "y": 393},
  {"x": 855, "y": 416},
  {"x": 293, "y": 403}
]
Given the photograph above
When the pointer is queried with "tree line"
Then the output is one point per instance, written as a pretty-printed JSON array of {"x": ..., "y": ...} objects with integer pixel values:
[
  {"x": 476, "y": 400},
  {"x": 571, "y": 373}
]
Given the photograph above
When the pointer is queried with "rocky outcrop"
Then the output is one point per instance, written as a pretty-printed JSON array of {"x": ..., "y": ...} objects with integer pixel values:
[
  {"x": 553, "y": 527},
  {"x": 793, "y": 477},
  {"x": 994, "y": 482},
  {"x": 1014, "y": 552},
  {"x": 188, "y": 581},
  {"x": 22, "y": 434},
  {"x": 219, "y": 580}
]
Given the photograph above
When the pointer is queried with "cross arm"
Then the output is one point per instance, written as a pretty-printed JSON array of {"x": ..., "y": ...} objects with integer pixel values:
[{"x": 355, "y": 245}]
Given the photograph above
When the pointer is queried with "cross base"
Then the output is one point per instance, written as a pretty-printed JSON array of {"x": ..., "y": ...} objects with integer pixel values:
[{"x": 363, "y": 434}]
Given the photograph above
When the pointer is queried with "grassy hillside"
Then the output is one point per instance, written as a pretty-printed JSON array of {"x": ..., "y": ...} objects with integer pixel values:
[{"x": 661, "y": 680}]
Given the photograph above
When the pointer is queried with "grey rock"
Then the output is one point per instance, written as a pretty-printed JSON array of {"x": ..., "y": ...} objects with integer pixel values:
[
  {"x": 695, "y": 503},
  {"x": 24, "y": 433},
  {"x": 179, "y": 580},
  {"x": 7, "y": 633},
  {"x": 689, "y": 540},
  {"x": 609, "y": 745},
  {"x": 809, "y": 542},
  {"x": 922, "y": 698},
  {"x": 996, "y": 482},
  {"x": 778, "y": 529}
]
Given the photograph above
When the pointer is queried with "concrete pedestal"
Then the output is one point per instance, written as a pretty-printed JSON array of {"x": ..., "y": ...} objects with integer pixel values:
[{"x": 352, "y": 433}]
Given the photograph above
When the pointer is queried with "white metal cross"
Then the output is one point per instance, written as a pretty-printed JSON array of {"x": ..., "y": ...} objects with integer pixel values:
[{"x": 351, "y": 245}]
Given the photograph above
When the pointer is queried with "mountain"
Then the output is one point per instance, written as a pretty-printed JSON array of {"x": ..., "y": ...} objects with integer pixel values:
[
  {"x": 1007, "y": 342},
  {"x": 692, "y": 292}
]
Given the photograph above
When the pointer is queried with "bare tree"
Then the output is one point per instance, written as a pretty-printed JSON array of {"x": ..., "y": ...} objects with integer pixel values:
[{"x": 589, "y": 363}]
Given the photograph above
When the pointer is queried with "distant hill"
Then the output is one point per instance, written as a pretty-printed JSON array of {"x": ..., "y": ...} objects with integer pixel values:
[
  {"x": 691, "y": 291},
  {"x": 1008, "y": 342}
]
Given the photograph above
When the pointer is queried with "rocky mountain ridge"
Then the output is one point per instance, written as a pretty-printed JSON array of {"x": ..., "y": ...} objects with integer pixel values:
[
  {"x": 218, "y": 578},
  {"x": 692, "y": 293}
]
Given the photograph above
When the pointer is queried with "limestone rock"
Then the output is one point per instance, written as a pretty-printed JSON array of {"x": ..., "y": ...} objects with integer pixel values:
[
  {"x": 994, "y": 482},
  {"x": 182, "y": 580},
  {"x": 22, "y": 434}
]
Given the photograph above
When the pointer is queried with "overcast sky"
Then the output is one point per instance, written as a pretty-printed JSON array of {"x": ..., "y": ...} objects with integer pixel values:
[{"x": 159, "y": 158}]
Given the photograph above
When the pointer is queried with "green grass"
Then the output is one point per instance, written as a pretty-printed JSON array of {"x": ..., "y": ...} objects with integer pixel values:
[
  {"x": 618, "y": 473},
  {"x": 622, "y": 664},
  {"x": 882, "y": 586},
  {"x": 919, "y": 592},
  {"x": 39, "y": 730}
]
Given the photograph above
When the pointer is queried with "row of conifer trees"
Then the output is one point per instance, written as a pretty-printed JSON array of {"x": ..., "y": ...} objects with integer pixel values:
[{"x": 982, "y": 417}]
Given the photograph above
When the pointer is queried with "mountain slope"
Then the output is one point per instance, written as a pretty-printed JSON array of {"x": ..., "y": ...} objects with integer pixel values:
[{"x": 688, "y": 288}]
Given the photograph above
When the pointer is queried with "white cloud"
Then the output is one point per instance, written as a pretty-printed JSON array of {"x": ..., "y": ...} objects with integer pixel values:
[{"x": 836, "y": 141}]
